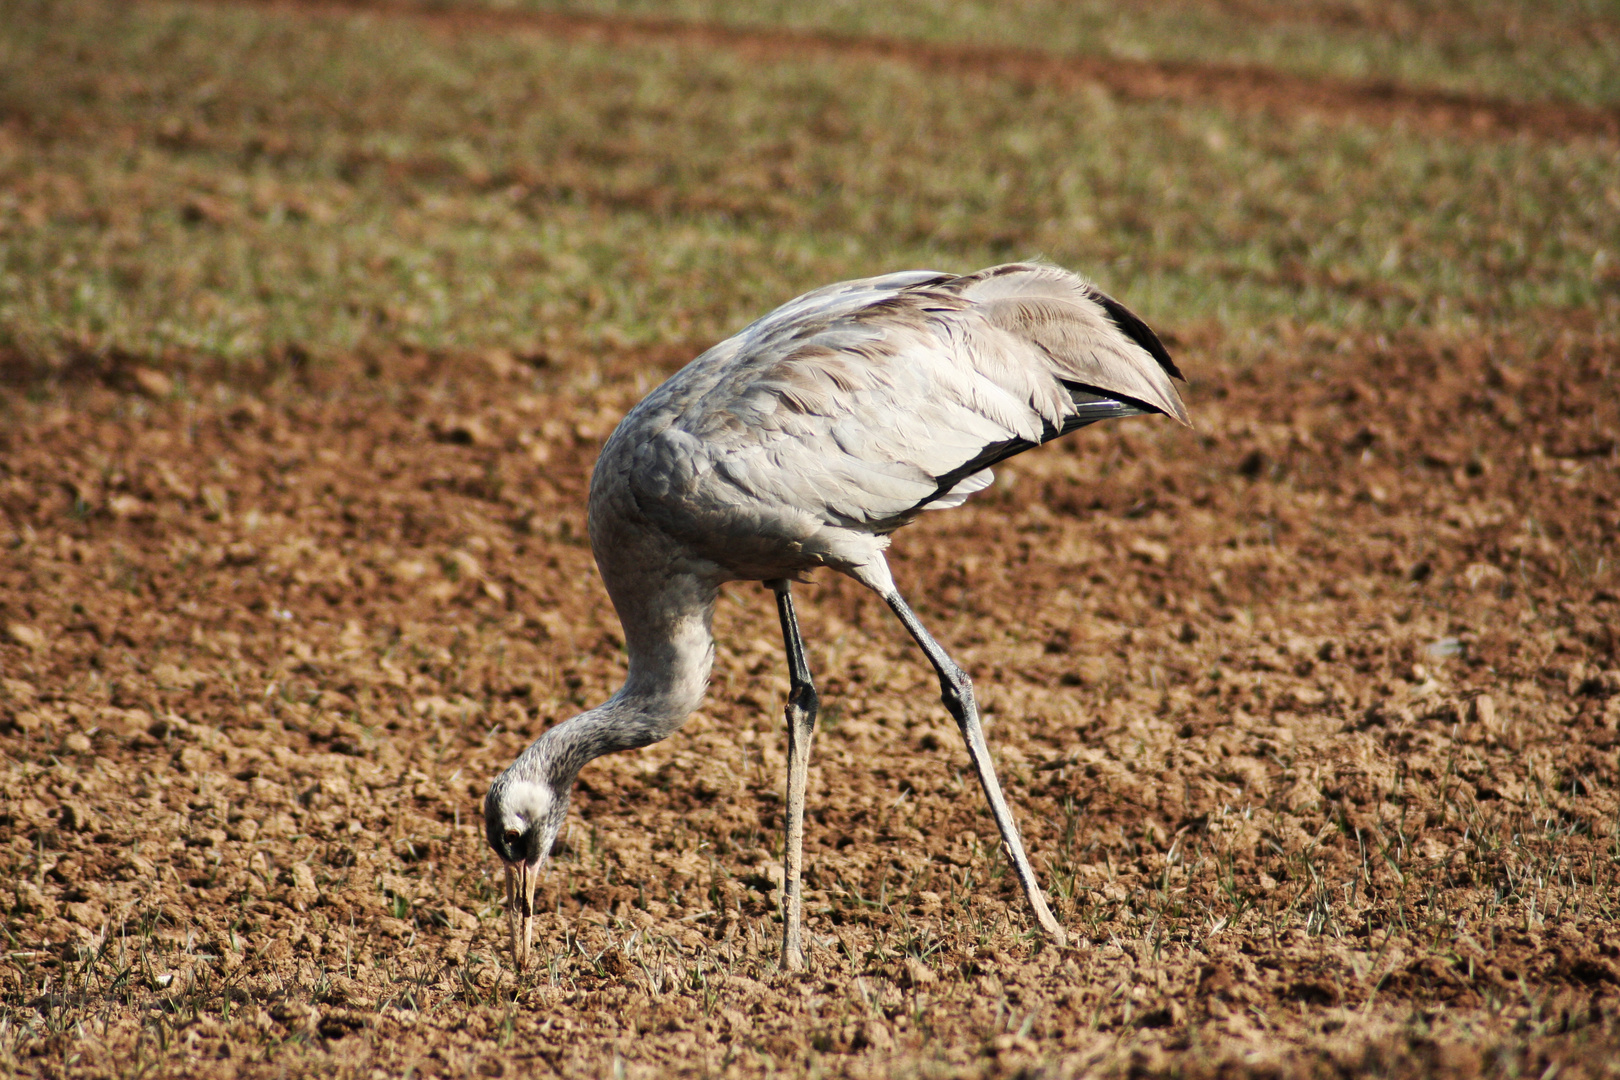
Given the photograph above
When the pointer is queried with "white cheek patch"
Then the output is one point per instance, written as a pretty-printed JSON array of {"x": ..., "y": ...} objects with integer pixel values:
[{"x": 525, "y": 805}]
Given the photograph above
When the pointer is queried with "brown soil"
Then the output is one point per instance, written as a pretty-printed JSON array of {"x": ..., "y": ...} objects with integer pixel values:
[
  {"x": 1310, "y": 717},
  {"x": 1240, "y": 87},
  {"x": 1418, "y": 17}
]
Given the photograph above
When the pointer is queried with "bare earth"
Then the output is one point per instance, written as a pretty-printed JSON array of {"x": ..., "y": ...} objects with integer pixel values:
[{"x": 1310, "y": 717}]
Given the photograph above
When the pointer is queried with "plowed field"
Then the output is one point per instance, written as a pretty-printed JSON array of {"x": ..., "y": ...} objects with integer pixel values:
[{"x": 1310, "y": 716}]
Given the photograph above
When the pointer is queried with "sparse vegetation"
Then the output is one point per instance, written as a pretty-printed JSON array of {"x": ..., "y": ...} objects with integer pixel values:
[
  {"x": 227, "y": 180},
  {"x": 1516, "y": 49}
]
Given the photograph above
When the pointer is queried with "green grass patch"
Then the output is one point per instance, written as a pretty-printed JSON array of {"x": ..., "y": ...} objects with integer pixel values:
[
  {"x": 1518, "y": 49},
  {"x": 227, "y": 180}
]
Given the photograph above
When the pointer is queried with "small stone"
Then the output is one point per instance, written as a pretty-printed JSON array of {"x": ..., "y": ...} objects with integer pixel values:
[
  {"x": 241, "y": 553},
  {"x": 152, "y": 383},
  {"x": 463, "y": 564},
  {"x": 1483, "y": 710},
  {"x": 464, "y": 431},
  {"x": 26, "y": 636},
  {"x": 128, "y": 507},
  {"x": 1150, "y": 551},
  {"x": 18, "y": 690},
  {"x": 502, "y": 363}
]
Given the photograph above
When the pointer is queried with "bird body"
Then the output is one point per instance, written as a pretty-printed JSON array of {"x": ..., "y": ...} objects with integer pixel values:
[
  {"x": 805, "y": 440},
  {"x": 821, "y": 428}
]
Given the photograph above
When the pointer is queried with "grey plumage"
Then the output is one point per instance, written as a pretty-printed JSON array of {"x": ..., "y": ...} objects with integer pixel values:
[{"x": 805, "y": 440}]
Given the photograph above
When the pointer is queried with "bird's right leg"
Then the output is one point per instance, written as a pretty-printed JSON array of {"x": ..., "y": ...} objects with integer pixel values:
[
  {"x": 801, "y": 724},
  {"x": 956, "y": 689}
]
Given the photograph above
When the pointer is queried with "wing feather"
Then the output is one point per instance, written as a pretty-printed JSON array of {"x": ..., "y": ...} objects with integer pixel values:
[{"x": 860, "y": 404}]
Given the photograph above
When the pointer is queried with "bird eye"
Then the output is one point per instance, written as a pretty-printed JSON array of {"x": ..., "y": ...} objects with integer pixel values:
[{"x": 513, "y": 836}]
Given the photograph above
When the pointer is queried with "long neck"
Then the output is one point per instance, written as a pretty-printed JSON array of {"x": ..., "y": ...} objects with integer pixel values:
[{"x": 666, "y": 620}]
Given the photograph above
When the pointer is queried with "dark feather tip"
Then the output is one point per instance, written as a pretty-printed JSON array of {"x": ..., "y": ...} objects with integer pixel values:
[{"x": 1138, "y": 331}]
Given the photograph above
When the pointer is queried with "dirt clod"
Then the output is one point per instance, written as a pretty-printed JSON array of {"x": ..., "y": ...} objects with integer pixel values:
[{"x": 1285, "y": 793}]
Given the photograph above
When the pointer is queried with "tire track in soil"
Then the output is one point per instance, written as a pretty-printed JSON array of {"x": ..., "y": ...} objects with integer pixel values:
[
  {"x": 1238, "y": 87},
  {"x": 1396, "y": 17}
]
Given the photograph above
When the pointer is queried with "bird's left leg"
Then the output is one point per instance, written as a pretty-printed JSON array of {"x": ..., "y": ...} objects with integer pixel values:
[
  {"x": 956, "y": 689},
  {"x": 801, "y": 724}
]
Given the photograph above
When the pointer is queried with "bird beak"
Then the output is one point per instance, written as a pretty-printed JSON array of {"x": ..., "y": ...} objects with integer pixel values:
[{"x": 521, "y": 880}]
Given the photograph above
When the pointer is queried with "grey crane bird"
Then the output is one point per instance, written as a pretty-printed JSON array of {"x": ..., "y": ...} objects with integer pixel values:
[{"x": 805, "y": 441}]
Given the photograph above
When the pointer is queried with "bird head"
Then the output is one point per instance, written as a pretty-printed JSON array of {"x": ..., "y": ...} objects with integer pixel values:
[{"x": 521, "y": 821}]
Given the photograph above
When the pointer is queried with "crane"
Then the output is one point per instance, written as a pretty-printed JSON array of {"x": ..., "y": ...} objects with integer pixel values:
[{"x": 805, "y": 441}]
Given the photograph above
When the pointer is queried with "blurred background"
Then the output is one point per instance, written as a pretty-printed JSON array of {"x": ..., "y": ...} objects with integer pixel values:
[{"x": 227, "y": 179}]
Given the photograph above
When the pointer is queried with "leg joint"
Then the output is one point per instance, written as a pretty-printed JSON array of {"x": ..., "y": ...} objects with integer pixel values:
[
  {"x": 954, "y": 682},
  {"x": 803, "y": 696}
]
